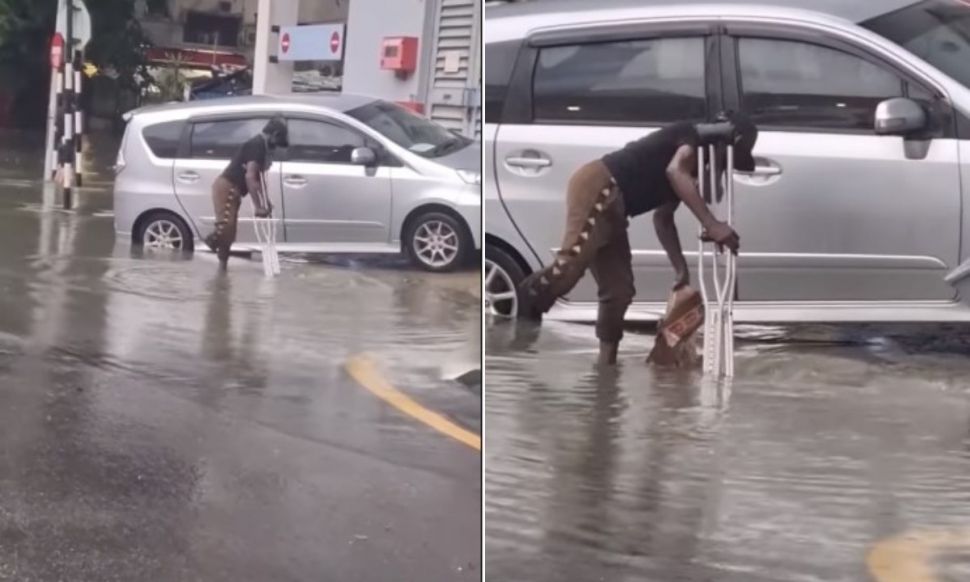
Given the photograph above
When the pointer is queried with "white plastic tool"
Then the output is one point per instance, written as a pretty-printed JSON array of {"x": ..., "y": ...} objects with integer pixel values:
[
  {"x": 719, "y": 306},
  {"x": 266, "y": 237}
]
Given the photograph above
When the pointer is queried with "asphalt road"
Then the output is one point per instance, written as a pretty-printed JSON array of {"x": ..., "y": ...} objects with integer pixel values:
[
  {"x": 161, "y": 421},
  {"x": 836, "y": 454}
]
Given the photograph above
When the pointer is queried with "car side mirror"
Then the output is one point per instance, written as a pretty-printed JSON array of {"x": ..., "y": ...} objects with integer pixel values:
[
  {"x": 363, "y": 157},
  {"x": 900, "y": 116}
]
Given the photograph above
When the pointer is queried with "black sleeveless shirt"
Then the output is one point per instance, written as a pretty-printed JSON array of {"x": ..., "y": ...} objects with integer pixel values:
[
  {"x": 640, "y": 168},
  {"x": 253, "y": 150}
]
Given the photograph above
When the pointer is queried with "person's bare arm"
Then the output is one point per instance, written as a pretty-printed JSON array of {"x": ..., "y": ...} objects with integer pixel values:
[
  {"x": 255, "y": 185},
  {"x": 680, "y": 172},
  {"x": 663, "y": 223}
]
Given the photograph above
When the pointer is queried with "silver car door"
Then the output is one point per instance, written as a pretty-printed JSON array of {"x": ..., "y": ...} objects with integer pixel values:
[
  {"x": 836, "y": 212},
  {"x": 330, "y": 201},
  {"x": 587, "y": 99}
]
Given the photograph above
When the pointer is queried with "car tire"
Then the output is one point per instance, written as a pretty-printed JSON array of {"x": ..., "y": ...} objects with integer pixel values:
[
  {"x": 503, "y": 277},
  {"x": 437, "y": 242},
  {"x": 164, "y": 230}
]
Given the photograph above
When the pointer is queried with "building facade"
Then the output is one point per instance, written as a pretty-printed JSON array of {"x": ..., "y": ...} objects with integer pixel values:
[{"x": 445, "y": 84}]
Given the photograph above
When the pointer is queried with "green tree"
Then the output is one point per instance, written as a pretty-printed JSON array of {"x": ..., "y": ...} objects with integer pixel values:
[
  {"x": 118, "y": 44},
  {"x": 26, "y": 27}
]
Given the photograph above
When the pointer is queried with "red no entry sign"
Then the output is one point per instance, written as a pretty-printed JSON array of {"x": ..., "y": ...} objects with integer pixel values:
[
  {"x": 285, "y": 42},
  {"x": 57, "y": 51},
  {"x": 334, "y": 42}
]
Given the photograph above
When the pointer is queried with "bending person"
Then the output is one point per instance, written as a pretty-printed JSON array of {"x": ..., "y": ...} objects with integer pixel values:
[{"x": 244, "y": 176}]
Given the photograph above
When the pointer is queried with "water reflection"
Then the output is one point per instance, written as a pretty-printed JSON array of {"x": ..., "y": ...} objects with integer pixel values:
[
  {"x": 815, "y": 448},
  {"x": 163, "y": 421}
]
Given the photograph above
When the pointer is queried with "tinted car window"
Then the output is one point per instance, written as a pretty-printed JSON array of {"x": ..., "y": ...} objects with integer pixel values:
[
  {"x": 318, "y": 141},
  {"x": 163, "y": 138},
  {"x": 649, "y": 81},
  {"x": 220, "y": 140},
  {"x": 802, "y": 85},
  {"x": 936, "y": 30},
  {"x": 500, "y": 57}
]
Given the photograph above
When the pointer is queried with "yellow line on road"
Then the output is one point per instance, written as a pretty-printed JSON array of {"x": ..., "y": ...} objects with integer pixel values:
[
  {"x": 362, "y": 369},
  {"x": 908, "y": 556}
]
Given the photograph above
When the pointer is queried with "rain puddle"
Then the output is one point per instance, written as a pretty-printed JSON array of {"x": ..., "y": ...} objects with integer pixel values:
[{"x": 828, "y": 440}]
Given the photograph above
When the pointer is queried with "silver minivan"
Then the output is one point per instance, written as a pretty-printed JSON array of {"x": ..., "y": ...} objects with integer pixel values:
[
  {"x": 859, "y": 209},
  {"x": 361, "y": 175}
]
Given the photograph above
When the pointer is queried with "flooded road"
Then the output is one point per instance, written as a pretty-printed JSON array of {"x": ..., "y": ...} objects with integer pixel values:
[
  {"x": 161, "y": 421},
  {"x": 836, "y": 454}
]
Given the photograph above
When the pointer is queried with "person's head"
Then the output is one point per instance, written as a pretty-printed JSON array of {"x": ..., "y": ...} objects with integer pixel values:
[
  {"x": 745, "y": 136},
  {"x": 277, "y": 136}
]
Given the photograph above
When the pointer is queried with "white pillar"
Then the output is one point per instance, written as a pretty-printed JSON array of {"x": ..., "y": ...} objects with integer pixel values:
[
  {"x": 50, "y": 160},
  {"x": 272, "y": 77}
]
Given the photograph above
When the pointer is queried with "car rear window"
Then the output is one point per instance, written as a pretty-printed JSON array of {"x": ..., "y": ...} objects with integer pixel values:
[{"x": 163, "y": 138}]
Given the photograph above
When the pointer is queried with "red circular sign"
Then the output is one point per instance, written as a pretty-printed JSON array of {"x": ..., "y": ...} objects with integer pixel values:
[
  {"x": 285, "y": 42},
  {"x": 57, "y": 51},
  {"x": 334, "y": 42}
]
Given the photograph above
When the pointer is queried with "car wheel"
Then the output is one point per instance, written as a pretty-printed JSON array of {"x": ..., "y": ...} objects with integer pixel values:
[
  {"x": 503, "y": 275},
  {"x": 164, "y": 231},
  {"x": 437, "y": 242}
]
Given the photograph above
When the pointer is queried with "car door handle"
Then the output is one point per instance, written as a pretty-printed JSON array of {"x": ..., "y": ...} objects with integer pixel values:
[
  {"x": 188, "y": 177},
  {"x": 766, "y": 171},
  {"x": 295, "y": 181},
  {"x": 528, "y": 162}
]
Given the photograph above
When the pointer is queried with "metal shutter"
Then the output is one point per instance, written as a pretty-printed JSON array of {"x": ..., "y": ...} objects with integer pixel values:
[{"x": 454, "y": 95}]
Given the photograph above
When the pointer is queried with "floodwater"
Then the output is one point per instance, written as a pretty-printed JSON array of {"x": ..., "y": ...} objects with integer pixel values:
[
  {"x": 836, "y": 454},
  {"x": 162, "y": 421}
]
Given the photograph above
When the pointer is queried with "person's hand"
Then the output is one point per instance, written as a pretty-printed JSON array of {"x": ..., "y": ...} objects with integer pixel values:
[
  {"x": 264, "y": 210},
  {"x": 723, "y": 236}
]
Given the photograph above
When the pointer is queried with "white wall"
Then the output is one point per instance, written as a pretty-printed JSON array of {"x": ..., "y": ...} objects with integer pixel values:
[
  {"x": 272, "y": 77},
  {"x": 367, "y": 23}
]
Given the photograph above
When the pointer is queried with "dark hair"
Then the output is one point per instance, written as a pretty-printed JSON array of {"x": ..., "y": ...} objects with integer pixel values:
[
  {"x": 277, "y": 132},
  {"x": 276, "y": 126},
  {"x": 746, "y": 135},
  {"x": 744, "y": 126}
]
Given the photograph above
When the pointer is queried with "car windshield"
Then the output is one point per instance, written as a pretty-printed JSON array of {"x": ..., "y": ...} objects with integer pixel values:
[
  {"x": 408, "y": 130},
  {"x": 938, "y": 31}
]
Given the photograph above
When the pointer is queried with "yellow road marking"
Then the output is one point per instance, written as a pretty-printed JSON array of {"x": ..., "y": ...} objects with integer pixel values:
[
  {"x": 907, "y": 557},
  {"x": 362, "y": 369}
]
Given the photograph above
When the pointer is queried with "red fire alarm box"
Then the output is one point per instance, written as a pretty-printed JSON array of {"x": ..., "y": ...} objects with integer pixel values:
[{"x": 400, "y": 54}]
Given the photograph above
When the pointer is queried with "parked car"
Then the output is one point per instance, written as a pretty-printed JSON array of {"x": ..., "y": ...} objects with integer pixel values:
[
  {"x": 361, "y": 175},
  {"x": 859, "y": 209},
  {"x": 220, "y": 85}
]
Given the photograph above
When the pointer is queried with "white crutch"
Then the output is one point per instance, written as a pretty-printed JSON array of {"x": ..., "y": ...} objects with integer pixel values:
[
  {"x": 719, "y": 317},
  {"x": 266, "y": 237}
]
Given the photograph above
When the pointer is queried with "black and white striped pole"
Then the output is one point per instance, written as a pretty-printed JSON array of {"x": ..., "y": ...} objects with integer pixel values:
[
  {"x": 78, "y": 117},
  {"x": 65, "y": 117},
  {"x": 67, "y": 138},
  {"x": 68, "y": 153}
]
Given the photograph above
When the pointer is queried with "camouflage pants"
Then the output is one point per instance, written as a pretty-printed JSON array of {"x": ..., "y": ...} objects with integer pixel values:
[
  {"x": 596, "y": 239},
  {"x": 225, "y": 202}
]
